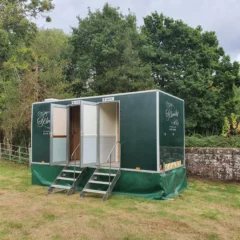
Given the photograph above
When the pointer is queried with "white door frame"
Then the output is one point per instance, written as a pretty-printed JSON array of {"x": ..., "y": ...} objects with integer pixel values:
[
  {"x": 82, "y": 164},
  {"x": 117, "y": 135},
  {"x": 52, "y": 137}
]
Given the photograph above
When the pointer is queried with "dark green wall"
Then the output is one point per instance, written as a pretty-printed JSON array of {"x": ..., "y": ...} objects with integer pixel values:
[
  {"x": 137, "y": 130},
  {"x": 171, "y": 128}
]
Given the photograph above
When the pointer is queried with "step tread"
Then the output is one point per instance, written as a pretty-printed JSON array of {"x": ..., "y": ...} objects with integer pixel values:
[
  {"x": 94, "y": 191},
  {"x": 67, "y": 179},
  {"x": 60, "y": 186},
  {"x": 99, "y": 182},
  {"x": 105, "y": 174},
  {"x": 71, "y": 171}
]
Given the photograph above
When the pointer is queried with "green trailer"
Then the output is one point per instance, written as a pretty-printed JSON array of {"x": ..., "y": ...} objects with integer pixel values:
[{"x": 128, "y": 143}]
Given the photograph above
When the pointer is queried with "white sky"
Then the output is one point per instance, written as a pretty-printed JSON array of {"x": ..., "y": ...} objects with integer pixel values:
[{"x": 221, "y": 16}]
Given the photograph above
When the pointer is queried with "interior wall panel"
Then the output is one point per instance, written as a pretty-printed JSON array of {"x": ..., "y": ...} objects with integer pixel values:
[
  {"x": 108, "y": 130},
  {"x": 59, "y": 121}
]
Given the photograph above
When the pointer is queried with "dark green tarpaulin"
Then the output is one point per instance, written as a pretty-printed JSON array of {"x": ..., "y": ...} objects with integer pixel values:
[{"x": 141, "y": 184}]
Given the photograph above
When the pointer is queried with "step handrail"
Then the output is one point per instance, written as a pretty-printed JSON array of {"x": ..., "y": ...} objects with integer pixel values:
[
  {"x": 75, "y": 160},
  {"x": 109, "y": 157}
]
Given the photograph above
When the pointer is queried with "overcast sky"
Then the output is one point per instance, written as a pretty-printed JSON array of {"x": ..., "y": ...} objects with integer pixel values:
[{"x": 221, "y": 16}]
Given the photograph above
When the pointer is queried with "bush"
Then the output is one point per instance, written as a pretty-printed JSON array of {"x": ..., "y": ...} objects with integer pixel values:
[{"x": 212, "y": 141}]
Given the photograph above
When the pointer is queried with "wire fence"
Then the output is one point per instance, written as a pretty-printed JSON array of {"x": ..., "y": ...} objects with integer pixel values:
[{"x": 15, "y": 153}]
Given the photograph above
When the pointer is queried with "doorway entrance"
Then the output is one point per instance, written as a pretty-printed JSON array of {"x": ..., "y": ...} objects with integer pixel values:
[
  {"x": 85, "y": 134},
  {"x": 109, "y": 133}
]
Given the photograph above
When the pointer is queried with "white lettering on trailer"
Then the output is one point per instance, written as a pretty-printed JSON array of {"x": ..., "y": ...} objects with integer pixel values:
[
  {"x": 172, "y": 115},
  {"x": 43, "y": 119}
]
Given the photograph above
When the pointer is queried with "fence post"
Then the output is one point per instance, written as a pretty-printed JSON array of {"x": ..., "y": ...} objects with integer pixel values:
[
  {"x": 19, "y": 154},
  {"x": 30, "y": 156},
  {"x": 9, "y": 153}
]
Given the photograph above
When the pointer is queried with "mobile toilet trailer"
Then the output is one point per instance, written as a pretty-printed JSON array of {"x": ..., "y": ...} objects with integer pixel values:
[{"x": 132, "y": 143}]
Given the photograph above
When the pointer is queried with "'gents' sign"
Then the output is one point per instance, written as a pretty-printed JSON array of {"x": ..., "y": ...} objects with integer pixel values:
[{"x": 108, "y": 99}]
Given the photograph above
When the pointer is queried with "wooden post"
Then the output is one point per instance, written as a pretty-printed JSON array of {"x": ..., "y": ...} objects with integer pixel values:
[
  {"x": 19, "y": 154},
  {"x": 9, "y": 152},
  {"x": 0, "y": 150}
]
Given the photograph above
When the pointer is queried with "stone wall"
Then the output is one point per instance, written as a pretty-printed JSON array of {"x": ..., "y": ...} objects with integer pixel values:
[{"x": 215, "y": 163}]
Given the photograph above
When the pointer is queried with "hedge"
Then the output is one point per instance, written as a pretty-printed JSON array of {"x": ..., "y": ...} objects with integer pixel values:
[{"x": 212, "y": 141}]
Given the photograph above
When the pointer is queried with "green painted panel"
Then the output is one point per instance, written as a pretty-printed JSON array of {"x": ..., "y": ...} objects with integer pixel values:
[
  {"x": 137, "y": 129},
  {"x": 171, "y": 128},
  {"x": 41, "y": 131},
  {"x": 44, "y": 175},
  {"x": 141, "y": 184}
]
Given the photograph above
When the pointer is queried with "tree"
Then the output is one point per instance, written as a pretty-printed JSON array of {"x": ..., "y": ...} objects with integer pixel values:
[
  {"x": 50, "y": 57},
  {"x": 42, "y": 78},
  {"x": 16, "y": 33},
  {"x": 105, "y": 55},
  {"x": 16, "y": 26},
  {"x": 189, "y": 63}
]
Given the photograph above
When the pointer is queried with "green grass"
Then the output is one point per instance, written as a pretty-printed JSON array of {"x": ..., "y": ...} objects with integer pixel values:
[
  {"x": 206, "y": 210},
  {"x": 213, "y": 236},
  {"x": 49, "y": 216},
  {"x": 213, "y": 215}
]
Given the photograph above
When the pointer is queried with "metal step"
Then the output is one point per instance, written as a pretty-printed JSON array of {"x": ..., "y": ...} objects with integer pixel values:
[
  {"x": 60, "y": 186},
  {"x": 67, "y": 179},
  {"x": 71, "y": 171},
  {"x": 93, "y": 180},
  {"x": 94, "y": 191},
  {"x": 104, "y": 174},
  {"x": 62, "y": 176},
  {"x": 99, "y": 182}
]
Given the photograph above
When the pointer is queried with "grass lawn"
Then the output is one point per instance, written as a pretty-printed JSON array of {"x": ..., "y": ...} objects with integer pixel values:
[{"x": 206, "y": 210}]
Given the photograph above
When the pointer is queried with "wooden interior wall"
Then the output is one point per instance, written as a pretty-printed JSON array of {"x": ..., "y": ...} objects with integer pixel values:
[{"x": 74, "y": 138}]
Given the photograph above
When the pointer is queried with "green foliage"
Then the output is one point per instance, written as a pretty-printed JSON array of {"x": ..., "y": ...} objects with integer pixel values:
[
  {"x": 236, "y": 99},
  {"x": 231, "y": 124},
  {"x": 226, "y": 127},
  {"x": 213, "y": 141},
  {"x": 51, "y": 56},
  {"x": 234, "y": 123},
  {"x": 16, "y": 34},
  {"x": 41, "y": 76},
  {"x": 17, "y": 60},
  {"x": 105, "y": 55},
  {"x": 15, "y": 18},
  {"x": 189, "y": 63}
]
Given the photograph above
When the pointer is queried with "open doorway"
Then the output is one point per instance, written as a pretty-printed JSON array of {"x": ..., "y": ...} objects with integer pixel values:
[
  {"x": 74, "y": 133},
  {"x": 109, "y": 133},
  {"x": 100, "y": 132}
]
